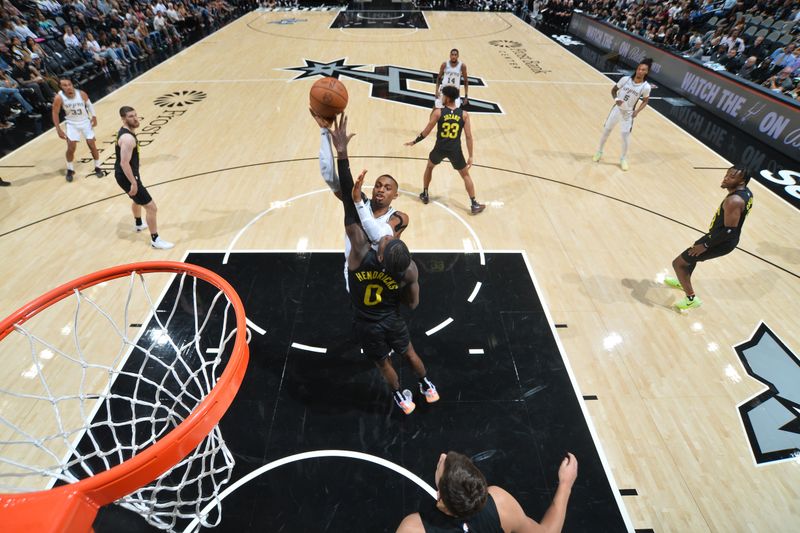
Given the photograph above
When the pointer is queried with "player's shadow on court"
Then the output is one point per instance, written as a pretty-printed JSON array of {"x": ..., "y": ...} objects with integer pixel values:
[
  {"x": 640, "y": 291},
  {"x": 790, "y": 255},
  {"x": 341, "y": 381}
]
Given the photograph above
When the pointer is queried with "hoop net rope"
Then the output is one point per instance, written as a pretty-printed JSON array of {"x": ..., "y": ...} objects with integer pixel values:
[{"x": 125, "y": 400}]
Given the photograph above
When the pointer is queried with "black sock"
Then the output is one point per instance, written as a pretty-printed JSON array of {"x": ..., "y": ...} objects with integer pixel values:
[
  {"x": 425, "y": 382},
  {"x": 398, "y": 396},
  {"x": 472, "y": 199},
  {"x": 154, "y": 236},
  {"x": 138, "y": 220},
  {"x": 425, "y": 190}
]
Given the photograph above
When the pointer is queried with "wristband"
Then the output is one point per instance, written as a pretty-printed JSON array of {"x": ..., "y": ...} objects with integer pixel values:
[{"x": 419, "y": 138}]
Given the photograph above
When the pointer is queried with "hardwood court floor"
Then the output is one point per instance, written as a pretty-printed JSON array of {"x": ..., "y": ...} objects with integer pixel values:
[{"x": 667, "y": 383}]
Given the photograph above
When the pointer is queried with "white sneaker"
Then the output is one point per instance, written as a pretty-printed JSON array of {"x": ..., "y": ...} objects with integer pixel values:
[
  {"x": 597, "y": 156},
  {"x": 623, "y": 164},
  {"x": 140, "y": 227},
  {"x": 161, "y": 244}
]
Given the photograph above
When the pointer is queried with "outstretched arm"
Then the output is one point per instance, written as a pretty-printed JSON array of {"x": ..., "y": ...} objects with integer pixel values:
[
  {"x": 514, "y": 519},
  {"x": 431, "y": 124},
  {"x": 326, "y": 165},
  {"x": 358, "y": 240}
]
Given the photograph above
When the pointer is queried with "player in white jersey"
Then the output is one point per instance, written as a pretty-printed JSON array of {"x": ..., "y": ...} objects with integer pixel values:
[
  {"x": 626, "y": 93},
  {"x": 80, "y": 119},
  {"x": 378, "y": 217},
  {"x": 450, "y": 73}
]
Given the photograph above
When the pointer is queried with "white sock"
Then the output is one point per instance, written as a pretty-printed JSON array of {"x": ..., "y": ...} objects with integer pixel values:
[
  {"x": 96, "y": 163},
  {"x": 70, "y": 165}
]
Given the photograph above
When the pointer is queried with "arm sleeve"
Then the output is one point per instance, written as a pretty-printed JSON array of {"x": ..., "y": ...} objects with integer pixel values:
[
  {"x": 721, "y": 235},
  {"x": 346, "y": 183},
  {"x": 376, "y": 230},
  {"x": 326, "y": 167}
]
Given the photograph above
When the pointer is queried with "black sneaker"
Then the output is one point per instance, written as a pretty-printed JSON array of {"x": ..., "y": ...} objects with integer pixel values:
[
  {"x": 4, "y": 183},
  {"x": 477, "y": 208},
  {"x": 424, "y": 197},
  {"x": 99, "y": 172},
  {"x": 70, "y": 175}
]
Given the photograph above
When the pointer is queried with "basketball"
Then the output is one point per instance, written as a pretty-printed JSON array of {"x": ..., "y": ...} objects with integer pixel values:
[{"x": 328, "y": 97}]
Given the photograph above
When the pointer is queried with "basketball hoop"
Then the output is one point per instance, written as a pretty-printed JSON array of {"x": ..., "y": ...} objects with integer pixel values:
[{"x": 140, "y": 425}]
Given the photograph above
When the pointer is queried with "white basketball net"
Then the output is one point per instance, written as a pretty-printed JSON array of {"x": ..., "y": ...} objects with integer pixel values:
[{"x": 104, "y": 389}]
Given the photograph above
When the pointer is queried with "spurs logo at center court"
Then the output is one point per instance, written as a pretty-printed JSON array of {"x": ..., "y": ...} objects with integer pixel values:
[
  {"x": 391, "y": 83},
  {"x": 772, "y": 418}
]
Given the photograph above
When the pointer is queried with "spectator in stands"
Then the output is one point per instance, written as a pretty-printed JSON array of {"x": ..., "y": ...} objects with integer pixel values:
[
  {"x": 9, "y": 90},
  {"x": 732, "y": 61},
  {"x": 719, "y": 54},
  {"x": 27, "y": 76},
  {"x": 747, "y": 69},
  {"x": 733, "y": 41},
  {"x": 781, "y": 82},
  {"x": 781, "y": 56},
  {"x": 70, "y": 39},
  {"x": 697, "y": 51},
  {"x": 757, "y": 49}
]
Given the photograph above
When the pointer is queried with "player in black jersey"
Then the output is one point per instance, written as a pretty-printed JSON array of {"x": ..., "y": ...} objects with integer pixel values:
[
  {"x": 126, "y": 172},
  {"x": 450, "y": 122},
  {"x": 721, "y": 239},
  {"x": 379, "y": 281},
  {"x": 465, "y": 502}
]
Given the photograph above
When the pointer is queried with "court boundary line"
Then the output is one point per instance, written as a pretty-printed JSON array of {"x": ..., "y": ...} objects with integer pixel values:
[
  {"x": 304, "y": 159},
  {"x": 577, "y": 390}
]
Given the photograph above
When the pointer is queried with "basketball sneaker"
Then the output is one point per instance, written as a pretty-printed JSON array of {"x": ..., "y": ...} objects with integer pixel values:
[
  {"x": 70, "y": 175},
  {"x": 429, "y": 391},
  {"x": 596, "y": 157},
  {"x": 623, "y": 164},
  {"x": 424, "y": 197},
  {"x": 140, "y": 227},
  {"x": 673, "y": 282},
  {"x": 161, "y": 244},
  {"x": 477, "y": 208},
  {"x": 99, "y": 172},
  {"x": 407, "y": 403},
  {"x": 686, "y": 303}
]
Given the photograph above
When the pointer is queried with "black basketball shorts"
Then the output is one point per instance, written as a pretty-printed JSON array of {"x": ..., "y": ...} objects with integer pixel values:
[
  {"x": 456, "y": 157},
  {"x": 142, "y": 197},
  {"x": 377, "y": 339},
  {"x": 713, "y": 252}
]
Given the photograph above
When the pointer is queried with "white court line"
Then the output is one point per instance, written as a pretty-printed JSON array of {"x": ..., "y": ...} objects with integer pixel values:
[
  {"x": 261, "y": 214},
  {"x": 194, "y": 525},
  {"x": 548, "y": 82},
  {"x": 576, "y": 388},
  {"x": 252, "y": 325},
  {"x": 439, "y": 327},
  {"x": 308, "y": 348},
  {"x": 243, "y": 80},
  {"x": 286, "y": 203},
  {"x": 472, "y": 296},
  {"x": 476, "y": 351},
  {"x": 469, "y": 228}
]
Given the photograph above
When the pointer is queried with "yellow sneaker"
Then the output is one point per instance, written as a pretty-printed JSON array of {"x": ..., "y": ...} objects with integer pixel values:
[
  {"x": 623, "y": 164},
  {"x": 596, "y": 157}
]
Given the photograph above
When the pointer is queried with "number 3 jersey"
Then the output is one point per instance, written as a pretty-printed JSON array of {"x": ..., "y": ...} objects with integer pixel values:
[
  {"x": 448, "y": 130},
  {"x": 630, "y": 93},
  {"x": 374, "y": 291}
]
